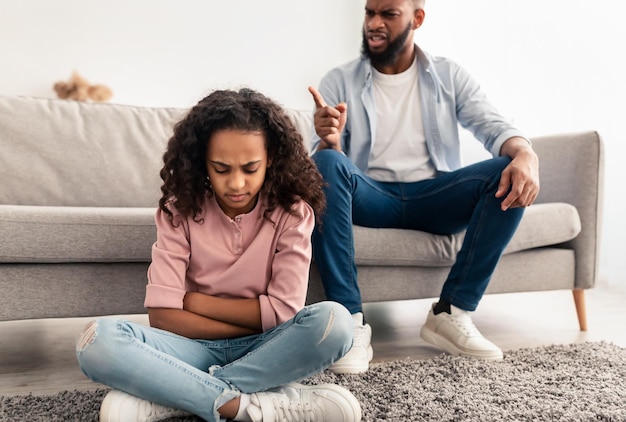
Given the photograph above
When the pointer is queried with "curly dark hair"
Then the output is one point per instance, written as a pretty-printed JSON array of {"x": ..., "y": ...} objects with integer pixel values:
[{"x": 292, "y": 176}]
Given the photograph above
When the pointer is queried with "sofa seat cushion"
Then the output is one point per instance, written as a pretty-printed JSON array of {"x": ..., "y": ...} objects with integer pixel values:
[
  {"x": 542, "y": 225},
  {"x": 96, "y": 234},
  {"x": 37, "y": 234}
]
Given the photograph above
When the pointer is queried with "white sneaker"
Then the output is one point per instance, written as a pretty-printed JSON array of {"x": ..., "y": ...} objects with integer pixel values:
[
  {"x": 456, "y": 334},
  {"x": 297, "y": 402},
  {"x": 118, "y": 406},
  {"x": 358, "y": 358}
]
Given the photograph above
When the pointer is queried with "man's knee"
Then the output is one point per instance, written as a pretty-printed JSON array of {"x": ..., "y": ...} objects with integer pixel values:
[
  {"x": 327, "y": 158},
  {"x": 502, "y": 162},
  {"x": 332, "y": 164}
]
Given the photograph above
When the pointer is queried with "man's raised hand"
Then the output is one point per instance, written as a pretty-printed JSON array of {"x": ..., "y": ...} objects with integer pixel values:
[{"x": 329, "y": 121}]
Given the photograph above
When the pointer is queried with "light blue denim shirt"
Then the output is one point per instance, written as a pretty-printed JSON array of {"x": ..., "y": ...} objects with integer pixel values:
[{"x": 449, "y": 98}]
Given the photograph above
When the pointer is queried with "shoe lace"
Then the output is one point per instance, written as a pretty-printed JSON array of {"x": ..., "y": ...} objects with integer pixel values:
[
  {"x": 359, "y": 336},
  {"x": 464, "y": 324},
  {"x": 294, "y": 412},
  {"x": 156, "y": 412}
]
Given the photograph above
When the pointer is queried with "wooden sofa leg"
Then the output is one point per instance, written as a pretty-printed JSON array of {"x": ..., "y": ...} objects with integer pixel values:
[{"x": 581, "y": 308}]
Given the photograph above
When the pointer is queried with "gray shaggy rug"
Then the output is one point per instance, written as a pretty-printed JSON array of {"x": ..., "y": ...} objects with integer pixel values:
[{"x": 577, "y": 382}]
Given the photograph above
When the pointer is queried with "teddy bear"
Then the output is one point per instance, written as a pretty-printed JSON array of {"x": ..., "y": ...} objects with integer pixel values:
[{"x": 78, "y": 88}]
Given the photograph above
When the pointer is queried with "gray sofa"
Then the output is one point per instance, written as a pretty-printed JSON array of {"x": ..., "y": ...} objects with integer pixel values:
[{"x": 80, "y": 185}]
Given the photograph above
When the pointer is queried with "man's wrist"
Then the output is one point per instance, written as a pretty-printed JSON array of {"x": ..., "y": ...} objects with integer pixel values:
[
  {"x": 515, "y": 145},
  {"x": 327, "y": 145}
]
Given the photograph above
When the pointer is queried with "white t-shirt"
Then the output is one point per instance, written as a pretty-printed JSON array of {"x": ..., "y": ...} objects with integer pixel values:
[{"x": 399, "y": 152}]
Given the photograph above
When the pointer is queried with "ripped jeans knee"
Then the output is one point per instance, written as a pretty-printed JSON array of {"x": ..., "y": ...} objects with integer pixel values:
[
  {"x": 96, "y": 345},
  {"x": 339, "y": 328},
  {"x": 87, "y": 336}
]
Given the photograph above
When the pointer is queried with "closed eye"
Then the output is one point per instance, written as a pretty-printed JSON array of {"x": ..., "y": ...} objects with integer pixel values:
[
  {"x": 248, "y": 168},
  {"x": 220, "y": 168}
]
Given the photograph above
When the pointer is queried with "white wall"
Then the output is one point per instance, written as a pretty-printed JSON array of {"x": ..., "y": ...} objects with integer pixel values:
[
  {"x": 551, "y": 66},
  {"x": 173, "y": 52}
]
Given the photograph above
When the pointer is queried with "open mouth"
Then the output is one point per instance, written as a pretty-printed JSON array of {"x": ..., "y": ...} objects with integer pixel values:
[{"x": 376, "y": 40}]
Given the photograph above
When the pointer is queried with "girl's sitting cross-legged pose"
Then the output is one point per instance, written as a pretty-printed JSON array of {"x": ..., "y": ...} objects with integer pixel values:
[{"x": 229, "y": 334}]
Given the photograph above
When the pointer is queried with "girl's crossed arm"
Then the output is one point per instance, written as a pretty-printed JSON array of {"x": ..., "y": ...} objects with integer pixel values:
[
  {"x": 240, "y": 312},
  {"x": 209, "y": 317}
]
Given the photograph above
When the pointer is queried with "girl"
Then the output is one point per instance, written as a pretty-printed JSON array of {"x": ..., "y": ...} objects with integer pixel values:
[{"x": 229, "y": 334}]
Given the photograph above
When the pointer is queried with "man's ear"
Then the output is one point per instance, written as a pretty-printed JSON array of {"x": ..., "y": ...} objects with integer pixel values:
[{"x": 418, "y": 18}]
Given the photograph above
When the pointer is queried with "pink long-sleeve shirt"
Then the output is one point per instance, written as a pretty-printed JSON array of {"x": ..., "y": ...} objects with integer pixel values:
[{"x": 244, "y": 257}]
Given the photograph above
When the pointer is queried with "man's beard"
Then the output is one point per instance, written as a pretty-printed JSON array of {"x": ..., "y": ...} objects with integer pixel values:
[{"x": 391, "y": 53}]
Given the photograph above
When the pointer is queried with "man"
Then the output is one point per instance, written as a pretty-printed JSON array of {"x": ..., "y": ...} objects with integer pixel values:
[{"x": 387, "y": 143}]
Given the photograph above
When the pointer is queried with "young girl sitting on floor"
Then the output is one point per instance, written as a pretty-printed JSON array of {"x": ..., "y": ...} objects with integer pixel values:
[{"x": 229, "y": 333}]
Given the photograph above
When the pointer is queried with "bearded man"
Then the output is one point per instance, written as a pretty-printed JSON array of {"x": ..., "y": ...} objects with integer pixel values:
[{"x": 387, "y": 143}]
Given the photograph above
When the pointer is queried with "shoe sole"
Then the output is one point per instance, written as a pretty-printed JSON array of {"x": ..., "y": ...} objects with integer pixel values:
[
  {"x": 340, "y": 367},
  {"x": 342, "y": 391},
  {"x": 441, "y": 342}
]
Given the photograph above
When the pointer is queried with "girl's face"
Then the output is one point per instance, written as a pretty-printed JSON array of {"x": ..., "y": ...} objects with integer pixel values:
[{"x": 236, "y": 162}]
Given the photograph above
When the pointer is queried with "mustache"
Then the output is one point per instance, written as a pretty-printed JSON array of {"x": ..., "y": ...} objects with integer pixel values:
[{"x": 375, "y": 32}]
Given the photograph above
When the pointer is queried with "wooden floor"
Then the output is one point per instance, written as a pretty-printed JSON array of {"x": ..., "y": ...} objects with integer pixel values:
[{"x": 37, "y": 356}]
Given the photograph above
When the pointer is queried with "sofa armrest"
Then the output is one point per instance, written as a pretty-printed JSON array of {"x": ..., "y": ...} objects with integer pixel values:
[{"x": 571, "y": 168}]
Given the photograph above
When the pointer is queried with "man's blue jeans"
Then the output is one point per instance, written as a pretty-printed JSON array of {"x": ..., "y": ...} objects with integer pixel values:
[
  {"x": 200, "y": 376},
  {"x": 447, "y": 204}
]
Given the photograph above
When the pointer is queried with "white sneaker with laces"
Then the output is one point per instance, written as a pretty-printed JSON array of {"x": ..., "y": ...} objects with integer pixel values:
[
  {"x": 456, "y": 334},
  {"x": 118, "y": 406},
  {"x": 297, "y": 402},
  {"x": 358, "y": 358}
]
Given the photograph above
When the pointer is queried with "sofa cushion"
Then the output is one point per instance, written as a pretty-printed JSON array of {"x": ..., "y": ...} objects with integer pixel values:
[
  {"x": 542, "y": 225},
  {"x": 70, "y": 153},
  {"x": 76, "y": 234},
  {"x": 87, "y": 234}
]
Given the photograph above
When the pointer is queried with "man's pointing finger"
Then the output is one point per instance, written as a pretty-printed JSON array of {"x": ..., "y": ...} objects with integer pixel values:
[{"x": 317, "y": 97}]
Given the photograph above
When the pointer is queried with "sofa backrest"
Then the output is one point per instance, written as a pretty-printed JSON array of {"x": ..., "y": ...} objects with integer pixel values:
[{"x": 68, "y": 153}]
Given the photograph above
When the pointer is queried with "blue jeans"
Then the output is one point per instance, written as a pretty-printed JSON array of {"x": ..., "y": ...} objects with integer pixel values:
[
  {"x": 447, "y": 204},
  {"x": 200, "y": 376}
]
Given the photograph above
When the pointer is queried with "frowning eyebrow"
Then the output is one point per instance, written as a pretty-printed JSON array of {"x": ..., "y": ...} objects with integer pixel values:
[{"x": 372, "y": 12}]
